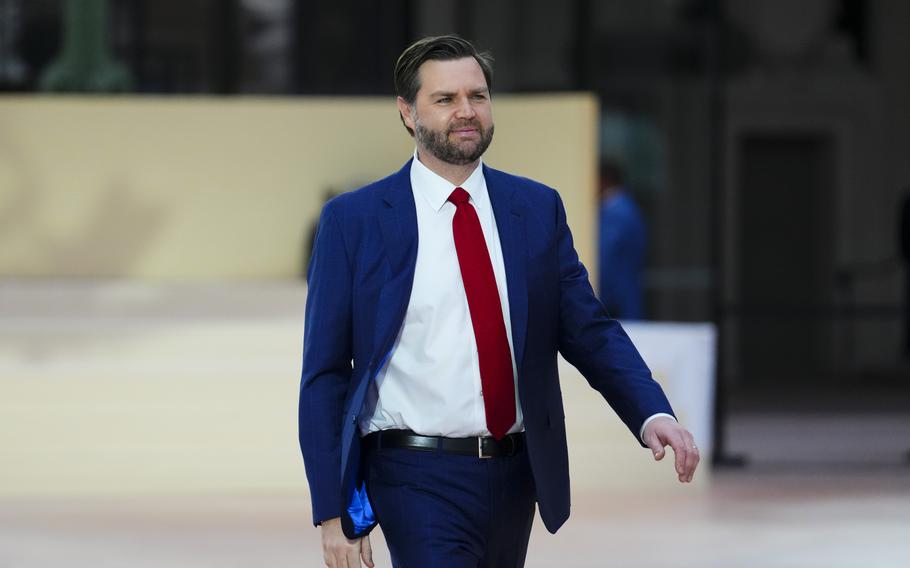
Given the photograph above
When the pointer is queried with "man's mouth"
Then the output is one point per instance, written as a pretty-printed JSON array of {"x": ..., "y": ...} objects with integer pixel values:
[{"x": 466, "y": 131}]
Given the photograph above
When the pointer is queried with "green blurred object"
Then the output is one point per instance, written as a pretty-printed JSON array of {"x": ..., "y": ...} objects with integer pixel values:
[{"x": 86, "y": 64}]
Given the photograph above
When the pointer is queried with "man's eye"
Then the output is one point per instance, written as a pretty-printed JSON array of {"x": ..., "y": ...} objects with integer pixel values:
[
  {"x": 479, "y": 97},
  {"x": 444, "y": 100}
]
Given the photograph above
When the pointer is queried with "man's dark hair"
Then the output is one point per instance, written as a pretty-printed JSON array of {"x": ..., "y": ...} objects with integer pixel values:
[{"x": 435, "y": 48}]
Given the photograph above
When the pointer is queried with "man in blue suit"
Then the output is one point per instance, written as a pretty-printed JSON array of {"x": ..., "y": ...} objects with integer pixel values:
[{"x": 438, "y": 300}]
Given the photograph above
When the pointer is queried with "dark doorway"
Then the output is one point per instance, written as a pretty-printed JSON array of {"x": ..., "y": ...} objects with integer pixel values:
[{"x": 787, "y": 203}]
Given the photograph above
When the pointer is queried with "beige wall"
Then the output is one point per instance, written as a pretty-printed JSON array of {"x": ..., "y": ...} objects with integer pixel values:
[{"x": 207, "y": 188}]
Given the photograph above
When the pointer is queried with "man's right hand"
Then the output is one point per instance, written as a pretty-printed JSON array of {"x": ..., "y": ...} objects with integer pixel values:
[{"x": 341, "y": 552}]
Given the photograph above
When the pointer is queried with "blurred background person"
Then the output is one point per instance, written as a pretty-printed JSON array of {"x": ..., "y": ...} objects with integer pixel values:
[{"x": 623, "y": 241}]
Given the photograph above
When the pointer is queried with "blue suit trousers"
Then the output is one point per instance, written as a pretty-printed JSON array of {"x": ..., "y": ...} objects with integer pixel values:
[{"x": 452, "y": 511}]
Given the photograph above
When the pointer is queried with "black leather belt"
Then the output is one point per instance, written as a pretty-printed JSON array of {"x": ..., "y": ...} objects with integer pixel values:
[{"x": 482, "y": 447}]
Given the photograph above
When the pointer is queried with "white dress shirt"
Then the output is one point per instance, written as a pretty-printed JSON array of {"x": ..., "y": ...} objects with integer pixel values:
[{"x": 431, "y": 381}]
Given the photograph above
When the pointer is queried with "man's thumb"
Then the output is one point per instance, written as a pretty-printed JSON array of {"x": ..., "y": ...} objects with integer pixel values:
[
  {"x": 656, "y": 447},
  {"x": 366, "y": 551}
]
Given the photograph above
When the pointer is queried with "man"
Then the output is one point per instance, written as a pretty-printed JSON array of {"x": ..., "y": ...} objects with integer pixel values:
[
  {"x": 622, "y": 247},
  {"x": 438, "y": 300}
]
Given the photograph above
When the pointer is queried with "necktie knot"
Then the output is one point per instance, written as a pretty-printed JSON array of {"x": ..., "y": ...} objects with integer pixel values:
[{"x": 459, "y": 196}]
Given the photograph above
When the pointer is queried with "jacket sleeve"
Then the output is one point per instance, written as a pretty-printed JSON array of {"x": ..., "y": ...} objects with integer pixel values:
[
  {"x": 596, "y": 344},
  {"x": 327, "y": 368}
]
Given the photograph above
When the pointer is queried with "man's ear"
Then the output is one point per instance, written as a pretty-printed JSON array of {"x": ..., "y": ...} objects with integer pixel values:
[{"x": 406, "y": 113}]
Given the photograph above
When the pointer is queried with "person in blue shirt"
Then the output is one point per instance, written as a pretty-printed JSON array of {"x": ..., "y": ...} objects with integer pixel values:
[{"x": 622, "y": 247}]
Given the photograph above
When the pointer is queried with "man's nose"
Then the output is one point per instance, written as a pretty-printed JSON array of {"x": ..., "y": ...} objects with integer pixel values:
[{"x": 465, "y": 109}]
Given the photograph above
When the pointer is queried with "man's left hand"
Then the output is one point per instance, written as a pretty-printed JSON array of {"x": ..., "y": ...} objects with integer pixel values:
[{"x": 662, "y": 432}]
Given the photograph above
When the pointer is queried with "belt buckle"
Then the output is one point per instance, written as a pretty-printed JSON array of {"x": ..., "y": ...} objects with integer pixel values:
[{"x": 480, "y": 449}]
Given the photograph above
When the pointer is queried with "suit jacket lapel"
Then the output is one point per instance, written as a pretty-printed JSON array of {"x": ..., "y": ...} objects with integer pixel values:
[
  {"x": 398, "y": 224},
  {"x": 508, "y": 208}
]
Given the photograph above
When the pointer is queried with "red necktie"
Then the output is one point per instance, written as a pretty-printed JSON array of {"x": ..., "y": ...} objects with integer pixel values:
[{"x": 486, "y": 316}]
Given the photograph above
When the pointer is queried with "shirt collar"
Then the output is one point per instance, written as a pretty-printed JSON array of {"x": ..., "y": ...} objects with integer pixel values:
[{"x": 436, "y": 189}]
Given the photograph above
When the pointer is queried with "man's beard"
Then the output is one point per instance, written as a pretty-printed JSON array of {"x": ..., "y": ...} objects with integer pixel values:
[{"x": 437, "y": 143}]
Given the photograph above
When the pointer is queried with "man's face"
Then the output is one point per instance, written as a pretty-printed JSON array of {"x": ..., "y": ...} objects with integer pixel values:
[{"x": 452, "y": 116}]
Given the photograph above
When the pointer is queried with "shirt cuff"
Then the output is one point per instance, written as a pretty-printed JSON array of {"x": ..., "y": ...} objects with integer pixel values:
[{"x": 641, "y": 433}]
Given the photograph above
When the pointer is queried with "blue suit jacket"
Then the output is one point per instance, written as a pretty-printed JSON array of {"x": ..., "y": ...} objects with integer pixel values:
[{"x": 360, "y": 279}]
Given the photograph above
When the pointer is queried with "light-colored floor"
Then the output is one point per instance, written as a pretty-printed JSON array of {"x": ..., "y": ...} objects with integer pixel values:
[
  {"x": 751, "y": 518},
  {"x": 834, "y": 440},
  {"x": 821, "y": 490}
]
